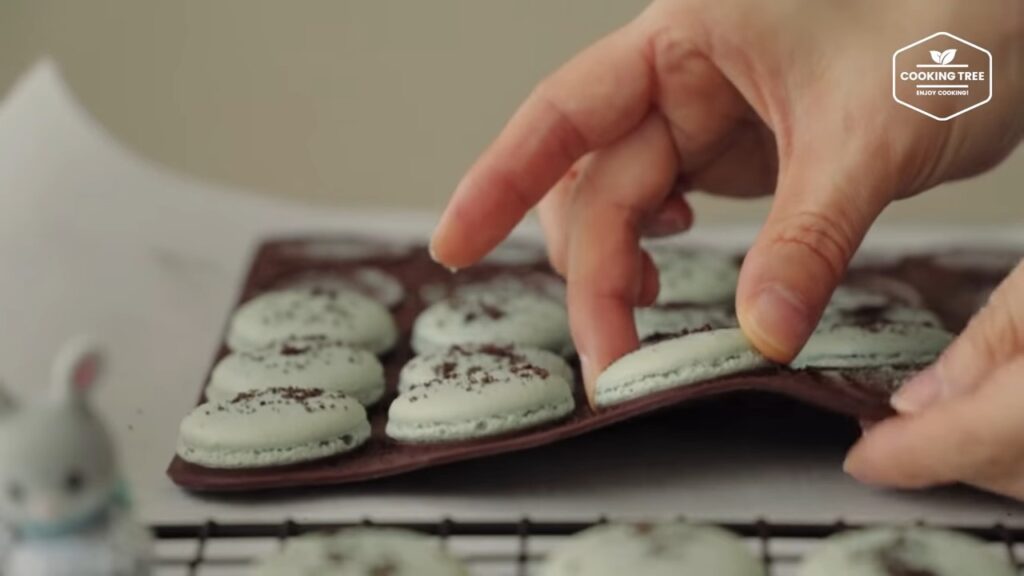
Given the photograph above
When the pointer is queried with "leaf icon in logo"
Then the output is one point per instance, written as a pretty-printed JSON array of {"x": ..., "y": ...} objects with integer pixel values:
[
  {"x": 936, "y": 56},
  {"x": 948, "y": 56}
]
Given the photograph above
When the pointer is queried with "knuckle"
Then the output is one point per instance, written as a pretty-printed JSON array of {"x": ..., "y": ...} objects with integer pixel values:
[
  {"x": 908, "y": 162},
  {"x": 516, "y": 189},
  {"x": 825, "y": 239},
  {"x": 670, "y": 49},
  {"x": 564, "y": 130}
]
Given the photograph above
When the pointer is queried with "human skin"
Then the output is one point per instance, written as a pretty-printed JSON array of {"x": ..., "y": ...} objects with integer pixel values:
[{"x": 747, "y": 98}]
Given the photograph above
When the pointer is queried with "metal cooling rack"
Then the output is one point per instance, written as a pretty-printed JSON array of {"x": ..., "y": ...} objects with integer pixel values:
[{"x": 514, "y": 548}]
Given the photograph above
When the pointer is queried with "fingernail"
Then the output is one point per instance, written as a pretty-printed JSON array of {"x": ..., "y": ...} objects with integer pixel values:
[
  {"x": 432, "y": 252},
  {"x": 850, "y": 466},
  {"x": 780, "y": 320},
  {"x": 433, "y": 256},
  {"x": 919, "y": 392}
]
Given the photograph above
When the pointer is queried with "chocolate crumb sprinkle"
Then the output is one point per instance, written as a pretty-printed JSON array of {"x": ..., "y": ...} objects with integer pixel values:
[
  {"x": 662, "y": 336},
  {"x": 292, "y": 350}
]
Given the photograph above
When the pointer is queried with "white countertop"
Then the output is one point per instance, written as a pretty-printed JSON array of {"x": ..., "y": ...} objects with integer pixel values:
[{"x": 94, "y": 239}]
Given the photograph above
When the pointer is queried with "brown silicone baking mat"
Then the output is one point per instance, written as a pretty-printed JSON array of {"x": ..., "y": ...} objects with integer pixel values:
[{"x": 277, "y": 261}]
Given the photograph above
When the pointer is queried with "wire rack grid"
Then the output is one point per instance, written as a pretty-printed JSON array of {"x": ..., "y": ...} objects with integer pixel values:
[{"x": 490, "y": 548}]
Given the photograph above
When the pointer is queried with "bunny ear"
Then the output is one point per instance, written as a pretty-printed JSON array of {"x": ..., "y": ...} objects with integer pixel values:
[{"x": 77, "y": 368}]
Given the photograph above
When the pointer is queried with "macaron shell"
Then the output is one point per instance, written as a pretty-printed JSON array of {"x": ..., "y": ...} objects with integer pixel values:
[
  {"x": 898, "y": 291},
  {"x": 905, "y": 552},
  {"x": 516, "y": 253},
  {"x": 339, "y": 315},
  {"x": 525, "y": 319},
  {"x": 539, "y": 282},
  {"x": 368, "y": 281},
  {"x": 872, "y": 346},
  {"x": 688, "y": 277},
  {"x": 673, "y": 549},
  {"x": 362, "y": 552},
  {"x": 846, "y": 298},
  {"x": 992, "y": 261},
  {"x": 271, "y": 428},
  {"x": 442, "y": 401},
  {"x": 679, "y": 361},
  {"x": 908, "y": 315},
  {"x": 299, "y": 363},
  {"x": 460, "y": 359},
  {"x": 479, "y": 403},
  {"x": 651, "y": 322},
  {"x": 347, "y": 249},
  {"x": 497, "y": 424},
  {"x": 888, "y": 379},
  {"x": 895, "y": 314}
]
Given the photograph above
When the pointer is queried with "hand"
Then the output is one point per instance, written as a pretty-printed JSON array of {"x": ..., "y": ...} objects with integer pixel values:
[
  {"x": 738, "y": 98},
  {"x": 962, "y": 420}
]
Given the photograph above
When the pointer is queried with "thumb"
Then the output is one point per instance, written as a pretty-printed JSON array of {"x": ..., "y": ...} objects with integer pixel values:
[
  {"x": 818, "y": 219},
  {"x": 994, "y": 336}
]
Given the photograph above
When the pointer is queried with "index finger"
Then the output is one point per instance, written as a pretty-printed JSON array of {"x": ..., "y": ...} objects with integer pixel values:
[{"x": 593, "y": 100}]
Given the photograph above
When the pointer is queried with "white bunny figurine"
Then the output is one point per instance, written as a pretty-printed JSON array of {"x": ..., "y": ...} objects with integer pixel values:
[{"x": 61, "y": 494}]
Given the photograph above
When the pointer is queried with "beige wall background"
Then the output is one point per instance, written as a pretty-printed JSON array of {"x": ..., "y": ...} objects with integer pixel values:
[{"x": 363, "y": 103}]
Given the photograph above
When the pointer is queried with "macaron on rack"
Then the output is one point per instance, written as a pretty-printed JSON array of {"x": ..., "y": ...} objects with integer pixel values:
[
  {"x": 349, "y": 359},
  {"x": 650, "y": 549}
]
